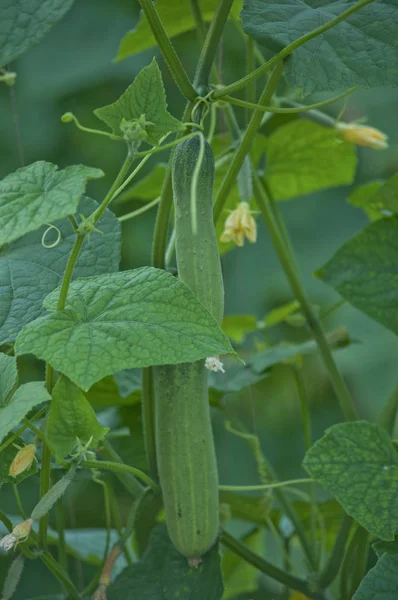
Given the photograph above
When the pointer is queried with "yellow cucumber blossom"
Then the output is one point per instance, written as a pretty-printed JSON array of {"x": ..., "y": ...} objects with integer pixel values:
[
  {"x": 23, "y": 460},
  {"x": 19, "y": 534},
  {"x": 240, "y": 224},
  {"x": 363, "y": 135}
]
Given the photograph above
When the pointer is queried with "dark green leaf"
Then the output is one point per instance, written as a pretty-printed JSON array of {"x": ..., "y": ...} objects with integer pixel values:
[
  {"x": 106, "y": 393},
  {"x": 71, "y": 417},
  {"x": 357, "y": 463},
  {"x": 389, "y": 547},
  {"x": 40, "y": 194},
  {"x": 145, "y": 96},
  {"x": 364, "y": 272},
  {"x": 358, "y": 51},
  {"x": 8, "y": 376},
  {"x": 253, "y": 509},
  {"x": 241, "y": 577},
  {"x": 25, "y": 22},
  {"x": 164, "y": 574},
  {"x": 29, "y": 271},
  {"x": 381, "y": 582},
  {"x": 112, "y": 322},
  {"x": 23, "y": 400}
]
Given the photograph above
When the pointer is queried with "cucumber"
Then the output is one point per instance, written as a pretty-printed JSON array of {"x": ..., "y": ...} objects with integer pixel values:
[{"x": 186, "y": 456}]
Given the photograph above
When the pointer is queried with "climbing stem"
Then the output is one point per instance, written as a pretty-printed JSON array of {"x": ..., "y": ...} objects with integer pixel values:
[
  {"x": 332, "y": 567},
  {"x": 148, "y": 418}
]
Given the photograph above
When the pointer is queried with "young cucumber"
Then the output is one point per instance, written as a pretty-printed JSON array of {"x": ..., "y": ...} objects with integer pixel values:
[{"x": 184, "y": 440}]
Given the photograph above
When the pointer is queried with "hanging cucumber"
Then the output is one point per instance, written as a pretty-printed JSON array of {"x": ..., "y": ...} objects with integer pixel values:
[{"x": 185, "y": 446}]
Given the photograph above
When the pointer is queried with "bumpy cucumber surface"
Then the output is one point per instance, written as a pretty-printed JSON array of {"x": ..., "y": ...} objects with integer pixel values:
[
  {"x": 186, "y": 457},
  {"x": 198, "y": 259}
]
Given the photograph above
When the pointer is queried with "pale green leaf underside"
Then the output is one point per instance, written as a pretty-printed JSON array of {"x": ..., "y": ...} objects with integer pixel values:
[
  {"x": 8, "y": 376},
  {"x": 145, "y": 96},
  {"x": 365, "y": 272},
  {"x": 363, "y": 197},
  {"x": 71, "y": 417},
  {"x": 131, "y": 319},
  {"x": 25, "y": 398},
  {"x": 176, "y": 17},
  {"x": 303, "y": 157},
  {"x": 358, "y": 51},
  {"x": 357, "y": 463},
  {"x": 164, "y": 574},
  {"x": 29, "y": 271},
  {"x": 381, "y": 582},
  {"x": 38, "y": 194},
  {"x": 25, "y": 22}
]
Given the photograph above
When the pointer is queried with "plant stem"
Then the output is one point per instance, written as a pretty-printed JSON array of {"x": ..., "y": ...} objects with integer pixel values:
[
  {"x": 139, "y": 211},
  {"x": 388, "y": 415},
  {"x": 18, "y": 501},
  {"x": 250, "y": 66},
  {"x": 60, "y": 574},
  {"x": 294, "y": 110},
  {"x": 165, "y": 146},
  {"x": 97, "y": 214},
  {"x": 288, "y": 266},
  {"x": 245, "y": 145},
  {"x": 237, "y": 85},
  {"x": 148, "y": 419},
  {"x": 69, "y": 271},
  {"x": 362, "y": 546},
  {"x": 131, "y": 484},
  {"x": 22, "y": 429},
  {"x": 198, "y": 20},
  {"x": 264, "y": 486},
  {"x": 44, "y": 487},
  {"x": 210, "y": 45},
  {"x": 121, "y": 468},
  {"x": 332, "y": 567},
  {"x": 264, "y": 566},
  {"x": 168, "y": 52},
  {"x": 60, "y": 520}
]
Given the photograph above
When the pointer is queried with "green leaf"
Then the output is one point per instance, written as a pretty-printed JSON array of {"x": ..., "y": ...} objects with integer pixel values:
[
  {"x": 25, "y": 22},
  {"x": 164, "y": 574},
  {"x": 145, "y": 96},
  {"x": 281, "y": 313},
  {"x": 39, "y": 194},
  {"x": 146, "y": 189},
  {"x": 176, "y": 17},
  {"x": 364, "y": 272},
  {"x": 8, "y": 376},
  {"x": 303, "y": 157},
  {"x": 241, "y": 577},
  {"x": 357, "y": 463},
  {"x": 389, "y": 547},
  {"x": 363, "y": 197},
  {"x": 6, "y": 458},
  {"x": 237, "y": 326},
  {"x": 253, "y": 509},
  {"x": 380, "y": 582},
  {"x": 112, "y": 322},
  {"x": 358, "y": 51},
  {"x": 235, "y": 378},
  {"x": 23, "y": 400},
  {"x": 107, "y": 393},
  {"x": 29, "y": 271},
  {"x": 71, "y": 417}
]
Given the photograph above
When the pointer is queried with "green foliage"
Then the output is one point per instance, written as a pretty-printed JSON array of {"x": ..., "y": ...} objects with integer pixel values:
[
  {"x": 237, "y": 326},
  {"x": 363, "y": 197},
  {"x": 164, "y": 574},
  {"x": 357, "y": 463},
  {"x": 39, "y": 194},
  {"x": 25, "y": 398},
  {"x": 247, "y": 508},
  {"x": 299, "y": 156},
  {"x": 364, "y": 272},
  {"x": 24, "y": 23},
  {"x": 381, "y": 582},
  {"x": 71, "y": 418},
  {"x": 105, "y": 327},
  {"x": 145, "y": 96},
  {"x": 240, "y": 577},
  {"x": 281, "y": 313},
  {"x": 29, "y": 271},
  {"x": 146, "y": 189},
  {"x": 330, "y": 62},
  {"x": 176, "y": 17},
  {"x": 8, "y": 376}
]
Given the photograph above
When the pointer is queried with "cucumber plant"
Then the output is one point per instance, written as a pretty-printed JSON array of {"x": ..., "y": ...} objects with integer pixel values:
[{"x": 128, "y": 400}]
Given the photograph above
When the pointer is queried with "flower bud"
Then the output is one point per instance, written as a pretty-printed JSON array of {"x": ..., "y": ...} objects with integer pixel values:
[
  {"x": 240, "y": 224},
  {"x": 20, "y": 533},
  {"x": 363, "y": 135},
  {"x": 23, "y": 460},
  {"x": 213, "y": 363}
]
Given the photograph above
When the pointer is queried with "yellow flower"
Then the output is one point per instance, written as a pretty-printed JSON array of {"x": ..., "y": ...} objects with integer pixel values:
[
  {"x": 363, "y": 135},
  {"x": 20, "y": 533},
  {"x": 239, "y": 224},
  {"x": 23, "y": 460}
]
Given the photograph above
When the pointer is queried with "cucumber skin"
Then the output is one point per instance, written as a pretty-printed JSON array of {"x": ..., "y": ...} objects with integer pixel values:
[
  {"x": 186, "y": 457},
  {"x": 198, "y": 258}
]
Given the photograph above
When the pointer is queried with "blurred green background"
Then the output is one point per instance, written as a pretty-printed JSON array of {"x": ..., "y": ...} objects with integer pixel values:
[{"x": 72, "y": 69}]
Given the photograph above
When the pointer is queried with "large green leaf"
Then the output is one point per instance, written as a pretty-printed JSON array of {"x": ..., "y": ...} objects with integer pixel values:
[
  {"x": 364, "y": 271},
  {"x": 8, "y": 376},
  {"x": 29, "y": 271},
  {"x": 357, "y": 463},
  {"x": 23, "y": 400},
  {"x": 145, "y": 96},
  {"x": 164, "y": 574},
  {"x": 303, "y": 157},
  {"x": 25, "y": 22},
  {"x": 130, "y": 319},
  {"x": 381, "y": 582},
  {"x": 358, "y": 51},
  {"x": 39, "y": 194},
  {"x": 71, "y": 417},
  {"x": 176, "y": 17}
]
